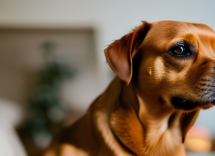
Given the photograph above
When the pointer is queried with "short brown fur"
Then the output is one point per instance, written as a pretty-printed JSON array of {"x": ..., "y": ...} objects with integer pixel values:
[{"x": 135, "y": 114}]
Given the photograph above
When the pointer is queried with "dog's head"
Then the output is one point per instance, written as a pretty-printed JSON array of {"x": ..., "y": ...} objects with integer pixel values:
[{"x": 168, "y": 61}]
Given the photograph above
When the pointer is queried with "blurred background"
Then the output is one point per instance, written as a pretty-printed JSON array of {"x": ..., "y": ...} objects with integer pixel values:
[{"x": 51, "y": 54}]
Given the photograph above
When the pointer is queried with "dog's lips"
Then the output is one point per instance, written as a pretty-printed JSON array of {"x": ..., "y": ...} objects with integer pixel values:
[{"x": 185, "y": 104}]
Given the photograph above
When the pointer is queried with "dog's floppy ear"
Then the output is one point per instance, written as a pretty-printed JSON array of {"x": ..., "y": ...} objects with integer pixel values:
[{"x": 121, "y": 52}]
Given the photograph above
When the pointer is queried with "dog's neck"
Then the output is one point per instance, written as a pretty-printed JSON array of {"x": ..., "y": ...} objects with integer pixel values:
[
  {"x": 162, "y": 125},
  {"x": 148, "y": 125}
]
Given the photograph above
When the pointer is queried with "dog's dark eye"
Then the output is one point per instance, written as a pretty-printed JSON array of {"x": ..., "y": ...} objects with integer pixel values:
[{"x": 180, "y": 50}]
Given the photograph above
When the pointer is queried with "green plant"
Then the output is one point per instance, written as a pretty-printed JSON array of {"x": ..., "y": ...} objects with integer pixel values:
[{"x": 45, "y": 112}]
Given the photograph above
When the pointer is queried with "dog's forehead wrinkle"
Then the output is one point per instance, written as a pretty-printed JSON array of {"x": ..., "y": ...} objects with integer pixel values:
[
  {"x": 207, "y": 42},
  {"x": 206, "y": 39},
  {"x": 207, "y": 52},
  {"x": 202, "y": 28}
]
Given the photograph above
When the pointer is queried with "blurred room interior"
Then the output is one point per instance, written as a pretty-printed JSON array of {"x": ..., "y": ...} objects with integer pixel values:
[{"x": 77, "y": 32}]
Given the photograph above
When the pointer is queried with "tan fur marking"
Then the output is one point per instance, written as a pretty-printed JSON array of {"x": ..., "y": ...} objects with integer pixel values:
[
  {"x": 159, "y": 68},
  {"x": 190, "y": 38}
]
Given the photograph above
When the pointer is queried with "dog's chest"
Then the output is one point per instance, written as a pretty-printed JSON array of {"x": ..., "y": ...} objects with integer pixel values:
[
  {"x": 164, "y": 144},
  {"x": 159, "y": 141}
]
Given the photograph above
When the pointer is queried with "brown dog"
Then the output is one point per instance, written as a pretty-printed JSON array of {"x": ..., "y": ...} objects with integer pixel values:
[{"x": 166, "y": 73}]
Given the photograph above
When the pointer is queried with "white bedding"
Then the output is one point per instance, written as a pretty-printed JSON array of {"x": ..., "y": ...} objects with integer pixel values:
[{"x": 10, "y": 115}]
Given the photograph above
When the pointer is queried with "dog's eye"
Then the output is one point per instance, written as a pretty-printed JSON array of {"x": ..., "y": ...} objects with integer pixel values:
[{"x": 180, "y": 50}]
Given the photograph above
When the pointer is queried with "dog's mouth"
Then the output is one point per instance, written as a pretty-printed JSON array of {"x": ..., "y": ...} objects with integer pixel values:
[{"x": 188, "y": 105}]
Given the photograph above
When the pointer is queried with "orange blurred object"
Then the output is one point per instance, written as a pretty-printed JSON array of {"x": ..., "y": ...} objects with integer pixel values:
[{"x": 199, "y": 139}]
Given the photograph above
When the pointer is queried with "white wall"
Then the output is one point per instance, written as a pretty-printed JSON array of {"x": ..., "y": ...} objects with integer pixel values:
[{"x": 111, "y": 18}]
